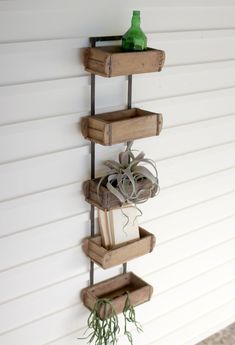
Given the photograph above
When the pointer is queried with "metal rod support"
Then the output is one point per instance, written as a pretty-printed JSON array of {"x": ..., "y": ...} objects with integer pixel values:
[
  {"x": 129, "y": 95},
  {"x": 91, "y": 273},
  {"x": 92, "y": 211},
  {"x": 129, "y": 105}
]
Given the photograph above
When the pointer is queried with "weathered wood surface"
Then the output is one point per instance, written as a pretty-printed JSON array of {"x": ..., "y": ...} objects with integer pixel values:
[
  {"x": 119, "y": 126},
  {"x": 106, "y": 200},
  {"x": 107, "y": 258},
  {"x": 112, "y": 61},
  {"x": 116, "y": 289}
]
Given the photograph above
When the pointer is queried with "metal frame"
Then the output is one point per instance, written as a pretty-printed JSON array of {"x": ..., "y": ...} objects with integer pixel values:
[{"x": 93, "y": 41}]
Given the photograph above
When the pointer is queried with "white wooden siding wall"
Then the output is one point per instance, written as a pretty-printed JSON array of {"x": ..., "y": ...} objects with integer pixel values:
[{"x": 44, "y": 159}]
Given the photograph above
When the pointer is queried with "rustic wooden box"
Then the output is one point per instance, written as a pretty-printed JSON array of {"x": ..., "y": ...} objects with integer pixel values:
[
  {"x": 112, "y": 61},
  {"x": 119, "y": 126},
  {"x": 107, "y": 200},
  {"x": 107, "y": 258},
  {"x": 116, "y": 289}
]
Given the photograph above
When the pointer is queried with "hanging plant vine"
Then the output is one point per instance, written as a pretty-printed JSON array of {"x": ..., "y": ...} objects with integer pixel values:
[
  {"x": 105, "y": 330},
  {"x": 129, "y": 316}
]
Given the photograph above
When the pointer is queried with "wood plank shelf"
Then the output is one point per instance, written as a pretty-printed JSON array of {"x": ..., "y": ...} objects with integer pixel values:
[
  {"x": 112, "y": 61},
  {"x": 120, "y": 126},
  {"x": 116, "y": 289},
  {"x": 107, "y": 258},
  {"x": 106, "y": 200}
]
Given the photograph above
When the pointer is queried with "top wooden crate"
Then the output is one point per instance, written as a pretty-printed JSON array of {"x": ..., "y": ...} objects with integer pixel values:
[{"x": 112, "y": 61}]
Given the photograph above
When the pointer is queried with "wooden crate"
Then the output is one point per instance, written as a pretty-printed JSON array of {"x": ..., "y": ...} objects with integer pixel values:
[
  {"x": 107, "y": 258},
  {"x": 107, "y": 200},
  {"x": 112, "y": 61},
  {"x": 116, "y": 289},
  {"x": 120, "y": 126}
]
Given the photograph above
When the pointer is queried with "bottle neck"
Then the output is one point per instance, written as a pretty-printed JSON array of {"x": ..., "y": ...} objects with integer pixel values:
[{"x": 135, "y": 22}]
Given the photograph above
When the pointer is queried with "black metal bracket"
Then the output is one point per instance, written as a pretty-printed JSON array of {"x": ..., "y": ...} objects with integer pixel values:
[{"x": 93, "y": 41}]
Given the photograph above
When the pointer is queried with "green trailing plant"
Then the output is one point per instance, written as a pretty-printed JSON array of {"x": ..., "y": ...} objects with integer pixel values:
[
  {"x": 129, "y": 316},
  {"x": 123, "y": 177},
  {"x": 105, "y": 330}
]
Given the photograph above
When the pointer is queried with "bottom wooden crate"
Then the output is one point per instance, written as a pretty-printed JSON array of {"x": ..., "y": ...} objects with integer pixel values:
[
  {"x": 107, "y": 258},
  {"x": 115, "y": 289}
]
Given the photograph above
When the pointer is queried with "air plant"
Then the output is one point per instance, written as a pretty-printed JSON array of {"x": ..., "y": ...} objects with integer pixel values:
[
  {"x": 104, "y": 330},
  {"x": 124, "y": 176}
]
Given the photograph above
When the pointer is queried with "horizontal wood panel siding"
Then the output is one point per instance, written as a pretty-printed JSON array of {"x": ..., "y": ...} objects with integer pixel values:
[{"x": 44, "y": 92}]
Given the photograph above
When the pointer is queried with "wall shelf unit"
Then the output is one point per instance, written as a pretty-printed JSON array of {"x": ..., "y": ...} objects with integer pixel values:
[{"x": 108, "y": 129}]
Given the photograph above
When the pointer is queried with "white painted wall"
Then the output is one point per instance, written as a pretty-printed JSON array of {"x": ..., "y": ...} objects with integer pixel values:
[{"x": 44, "y": 159}]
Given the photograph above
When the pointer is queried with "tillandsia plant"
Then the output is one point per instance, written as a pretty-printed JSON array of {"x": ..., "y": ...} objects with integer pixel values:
[
  {"x": 105, "y": 330},
  {"x": 124, "y": 177}
]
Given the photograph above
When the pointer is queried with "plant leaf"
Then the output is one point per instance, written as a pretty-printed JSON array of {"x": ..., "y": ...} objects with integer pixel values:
[
  {"x": 130, "y": 176},
  {"x": 112, "y": 164},
  {"x": 146, "y": 173},
  {"x": 124, "y": 158},
  {"x": 151, "y": 162},
  {"x": 129, "y": 145},
  {"x": 115, "y": 192},
  {"x": 99, "y": 185},
  {"x": 140, "y": 156}
]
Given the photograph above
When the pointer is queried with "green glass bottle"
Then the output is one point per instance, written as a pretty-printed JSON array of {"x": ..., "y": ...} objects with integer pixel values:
[{"x": 134, "y": 38}]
